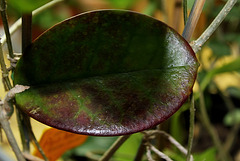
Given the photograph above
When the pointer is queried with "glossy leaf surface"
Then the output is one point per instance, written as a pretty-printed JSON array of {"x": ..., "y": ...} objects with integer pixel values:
[{"x": 108, "y": 72}]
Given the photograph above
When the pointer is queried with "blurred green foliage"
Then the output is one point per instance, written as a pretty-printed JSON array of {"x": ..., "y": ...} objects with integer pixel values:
[
  {"x": 232, "y": 118},
  {"x": 122, "y": 4},
  {"x": 94, "y": 147},
  {"x": 93, "y": 144},
  {"x": 128, "y": 150},
  {"x": 49, "y": 18},
  {"x": 27, "y": 5}
]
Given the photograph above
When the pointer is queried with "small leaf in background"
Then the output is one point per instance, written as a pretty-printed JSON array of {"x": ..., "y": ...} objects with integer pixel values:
[
  {"x": 99, "y": 74},
  {"x": 232, "y": 117},
  {"x": 55, "y": 142},
  {"x": 27, "y": 5}
]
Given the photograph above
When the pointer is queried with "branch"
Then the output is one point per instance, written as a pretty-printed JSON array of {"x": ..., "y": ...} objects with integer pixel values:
[
  {"x": 149, "y": 155},
  {"x": 191, "y": 129},
  {"x": 4, "y": 116},
  {"x": 185, "y": 13},
  {"x": 109, "y": 153},
  {"x": 24, "y": 120},
  {"x": 26, "y": 31},
  {"x": 7, "y": 104},
  {"x": 159, "y": 153},
  {"x": 193, "y": 19},
  {"x": 170, "y": 139},
  {"x": 3, "y": 7},
  {"x": 197, "y": 44},
  {"x": 5, "y": 77},
  {"x": 33, "y": 138},
  {"x": 30, "y": 157},
  {"x": 12, "y": 141}
]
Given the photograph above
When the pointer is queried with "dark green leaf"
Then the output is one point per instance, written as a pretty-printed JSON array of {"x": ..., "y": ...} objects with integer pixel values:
[{"x": 108, "y": 72}]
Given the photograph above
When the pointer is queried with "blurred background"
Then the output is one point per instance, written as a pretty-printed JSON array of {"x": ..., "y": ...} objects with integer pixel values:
[{"x": 219, "y": 56}]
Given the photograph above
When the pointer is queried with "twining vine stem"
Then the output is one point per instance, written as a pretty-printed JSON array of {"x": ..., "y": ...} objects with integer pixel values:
[
  {"x": 191, "y": 129},
  {"x": 185, "y": 12},
  {"x": 4, "y": 120},
  {"x": 197, "y": 44},
  {"x": 12, "y": 141},
  {"x": 5, "y": 106},
  {"x": 23, "y": 120},
  {"x": 148, "y": 153},
  {"x": 3, "y": 7},
  {"x": 27, "y": 134},
  {"x": 193, "y": 19},
  {"x": 6, "y": 80},
  {"x": 151, "y": 133},
  {"x": 190, "y": 25},
  {"x": 159, "y": 153},
  {"x": 26, "y": 31}
]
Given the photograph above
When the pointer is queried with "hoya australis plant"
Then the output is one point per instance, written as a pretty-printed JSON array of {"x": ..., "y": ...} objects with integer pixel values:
[{"x": 106, "y": 72}]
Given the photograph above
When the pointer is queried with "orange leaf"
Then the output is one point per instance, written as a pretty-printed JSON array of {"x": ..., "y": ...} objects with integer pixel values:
[{"x": 55, "y": 142}]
